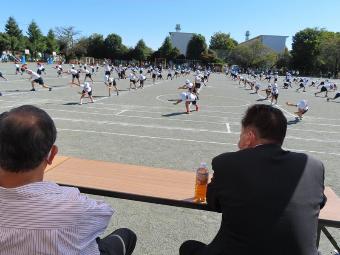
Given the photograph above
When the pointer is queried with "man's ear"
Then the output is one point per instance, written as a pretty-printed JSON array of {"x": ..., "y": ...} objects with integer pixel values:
[{"x": 51, "y": 154}]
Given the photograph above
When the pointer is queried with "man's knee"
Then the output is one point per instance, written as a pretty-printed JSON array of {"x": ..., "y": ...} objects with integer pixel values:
[{"x": 122, "y": 241}]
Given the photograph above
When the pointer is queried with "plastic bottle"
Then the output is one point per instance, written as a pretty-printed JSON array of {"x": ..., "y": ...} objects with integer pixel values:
[{"x": 202, "y": 176}]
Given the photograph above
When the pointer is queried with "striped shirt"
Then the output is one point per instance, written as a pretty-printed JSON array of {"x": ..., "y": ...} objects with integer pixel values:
[{"x": 45, "y": 218}]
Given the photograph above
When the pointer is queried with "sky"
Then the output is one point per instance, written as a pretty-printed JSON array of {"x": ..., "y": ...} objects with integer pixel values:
[{"x": 152, "y": 20}]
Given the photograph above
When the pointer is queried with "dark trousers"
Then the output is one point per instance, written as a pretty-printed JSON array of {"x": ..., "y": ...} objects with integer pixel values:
[
  {"x": 192, "y": 247},
  {"x": 120, "y": 242}
]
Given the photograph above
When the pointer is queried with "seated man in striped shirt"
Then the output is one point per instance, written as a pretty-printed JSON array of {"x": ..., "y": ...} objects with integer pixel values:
[{"x": 40, "y": 217}]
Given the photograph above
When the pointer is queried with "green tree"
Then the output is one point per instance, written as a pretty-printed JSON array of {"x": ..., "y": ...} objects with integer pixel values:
[
  {"x": 241, "y": 55},
  {"x": 284, "y": 60},
  {"x": 209, "y": 56},
  {"x": 330, "y": 53},
  {"x": 36, "y": 39},
  {"x": 196, "y": 46},
  {"x": 81, "y": 47},
  {"x": 114, "y": 48},
  {"x": 222, "y": 44},
  {"x": 141, "y": 52},
  {"x": 5, "y": 43},
  {"x": 254, "y": 55},
  {"x": 15, "y": 34},
  {"x": 51, "y": 42},
  {"x": 306, "y": 49},
  {"x": 96, "y": 47}
]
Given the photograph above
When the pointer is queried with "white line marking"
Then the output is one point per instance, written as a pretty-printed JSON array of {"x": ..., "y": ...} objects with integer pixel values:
[
  {"x": 145, "y": 136},
  {"x": 125, "y": 124},
  {"x": 120, "y": 112},
  {"x": 277, "y": 106},
  {"x": 228, "y": 128},
  {"x": 181, "y": 140}
]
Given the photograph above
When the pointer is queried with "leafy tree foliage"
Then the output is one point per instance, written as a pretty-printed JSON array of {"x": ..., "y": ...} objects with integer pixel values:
[{"x": 196, "y": 46}]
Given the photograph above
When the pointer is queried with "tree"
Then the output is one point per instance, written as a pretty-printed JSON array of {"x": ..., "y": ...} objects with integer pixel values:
[
  {"x": 96, "y": 46},
  {"x": 196, "y": 46},
  {"x": 36, "y": 39},
  {"x": 5, "y": 43},
  {"x": 141, "y": 52},
  {"x": 284, "y": 60},
  {"x": 222, "y": 44},
  {"x": 253, "y": 55},
  {"x": 114, "y": 48},
  {"x": 166, "y": 48},
  {"x": 81, "y": 47},
  {"x": 51, "y": 42},
  {"x": 241, "y": 55},
  {"x": 305, "y": 50},
  {"x": 67, "y": 37},
  {"x": 15, "y": 34},
  {"x": 209, "y": 56},
  {"x": 330, "y": 53}
]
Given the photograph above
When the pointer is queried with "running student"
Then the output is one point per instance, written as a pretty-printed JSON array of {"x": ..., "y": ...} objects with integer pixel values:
[
  {"x": 302, "y": 107},
  {"x": 36, "y": 78},
  {"x": 337, "y": 95},
  {"x": 86, "y": 90}
]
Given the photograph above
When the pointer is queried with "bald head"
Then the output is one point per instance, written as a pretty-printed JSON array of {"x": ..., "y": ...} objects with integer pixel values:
[{"x": 27, "y": 134}]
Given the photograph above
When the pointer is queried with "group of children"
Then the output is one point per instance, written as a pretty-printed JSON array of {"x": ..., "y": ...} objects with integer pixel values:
[{"x": 272, "y": 90}]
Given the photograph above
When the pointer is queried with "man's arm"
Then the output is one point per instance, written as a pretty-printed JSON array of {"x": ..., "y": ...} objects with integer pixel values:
[{"x": 212, "y": 191}]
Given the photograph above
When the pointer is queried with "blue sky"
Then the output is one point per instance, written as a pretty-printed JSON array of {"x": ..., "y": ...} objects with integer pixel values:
[{"x": 151, "y": 20}]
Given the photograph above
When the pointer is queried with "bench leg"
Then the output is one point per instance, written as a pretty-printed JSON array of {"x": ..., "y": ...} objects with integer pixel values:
[{"x": 331, "y": 239}]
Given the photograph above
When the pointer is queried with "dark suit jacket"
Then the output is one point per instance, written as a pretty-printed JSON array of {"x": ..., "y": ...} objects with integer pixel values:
[{"x": 270, "y": 201}]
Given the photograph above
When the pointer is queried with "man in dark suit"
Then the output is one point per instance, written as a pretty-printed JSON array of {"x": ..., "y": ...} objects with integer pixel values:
[{"x": 270, "y": 198}]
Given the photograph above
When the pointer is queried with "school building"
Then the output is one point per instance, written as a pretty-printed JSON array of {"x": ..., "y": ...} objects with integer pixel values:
[
  {"x": 276, "y": 42},
  {"x": 181, "y": 40}
]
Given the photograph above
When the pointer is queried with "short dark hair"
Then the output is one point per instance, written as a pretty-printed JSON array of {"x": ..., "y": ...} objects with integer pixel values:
[
  {"x": 269, "y": 122},
  {"x": 27, "y": 134}
]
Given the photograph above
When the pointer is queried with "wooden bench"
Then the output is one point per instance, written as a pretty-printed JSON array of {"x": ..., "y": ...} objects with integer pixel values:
[{"x": 153, "y": 185}]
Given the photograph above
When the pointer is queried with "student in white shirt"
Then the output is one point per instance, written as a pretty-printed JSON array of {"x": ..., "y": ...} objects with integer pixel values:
[
  {"x": 17, "y": 68},
  {"x": 111, "y": 82},
  {"x": 303, "y": 84},
  {"x": 36, "y": 78},
  {"x": 133, "y": 80},
  {"x": 75, "y": 75},
  {"x": 326, "y": 87},
  {"x": 302, "y": 107},
  {"x": 142, "y": 79},
  {"x": 87, "y": 74},
  {"x": 87, "y": 90},
  {"x": 274, "y": 93}
]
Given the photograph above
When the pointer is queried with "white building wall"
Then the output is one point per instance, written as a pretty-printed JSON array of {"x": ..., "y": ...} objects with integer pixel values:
[
  {"x": 180, "y": 40},
  {"x": 275, "y": 42}
]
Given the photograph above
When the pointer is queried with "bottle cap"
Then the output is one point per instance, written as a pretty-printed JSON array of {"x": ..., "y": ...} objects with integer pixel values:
[{"x": 203, "y": 165}]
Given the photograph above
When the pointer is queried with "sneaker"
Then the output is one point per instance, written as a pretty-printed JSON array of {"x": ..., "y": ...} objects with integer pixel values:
[
  {"x": 32, "y": 90},
  {"x": 327, "y": 99},
  {"x": 49, "y": 89}
]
